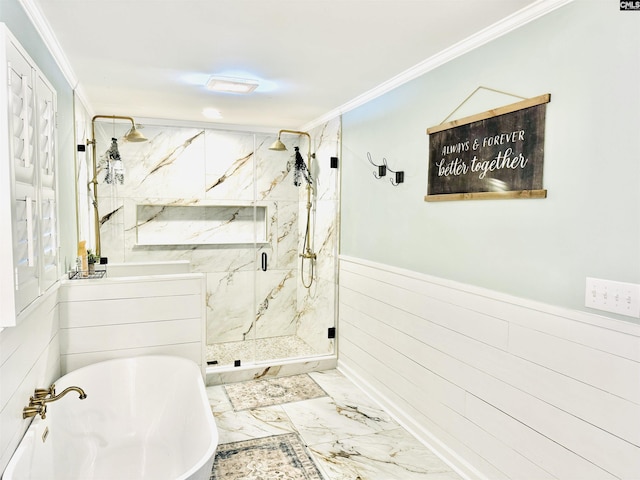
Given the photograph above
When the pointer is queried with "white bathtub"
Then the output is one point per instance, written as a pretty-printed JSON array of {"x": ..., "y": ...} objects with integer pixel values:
[{"x": 144, "y": 418}]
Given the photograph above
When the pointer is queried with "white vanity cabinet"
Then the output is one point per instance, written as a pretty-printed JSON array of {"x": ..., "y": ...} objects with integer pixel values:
[{"x": 28, "y": 200}]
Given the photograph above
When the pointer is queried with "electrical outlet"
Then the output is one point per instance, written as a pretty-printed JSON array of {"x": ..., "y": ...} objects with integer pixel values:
[{"x": 615, "y": 297}]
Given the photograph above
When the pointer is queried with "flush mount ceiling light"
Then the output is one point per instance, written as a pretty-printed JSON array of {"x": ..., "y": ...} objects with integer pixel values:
[
  {"x": 212, "y": 113},
  {"x": 231, "y": 85}
]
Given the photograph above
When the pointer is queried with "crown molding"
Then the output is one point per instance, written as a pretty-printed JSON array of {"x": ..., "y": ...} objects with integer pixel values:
[
  {"x": 51, "y": 42},
  {"x": 231, "y": 127},
  {"x": 516, "y": 20},
  {"x": 498, "y": 29}
]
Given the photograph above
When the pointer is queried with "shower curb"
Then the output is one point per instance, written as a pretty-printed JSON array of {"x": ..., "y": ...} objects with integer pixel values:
[{"x": 273, "y": 369}]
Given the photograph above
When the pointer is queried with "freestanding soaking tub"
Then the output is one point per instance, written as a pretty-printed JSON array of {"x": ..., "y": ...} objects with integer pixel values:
[{"x": 144, "y": 418}]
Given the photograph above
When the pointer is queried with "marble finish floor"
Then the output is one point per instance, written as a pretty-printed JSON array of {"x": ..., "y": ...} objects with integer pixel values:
[{"x": 348, "y": 435}]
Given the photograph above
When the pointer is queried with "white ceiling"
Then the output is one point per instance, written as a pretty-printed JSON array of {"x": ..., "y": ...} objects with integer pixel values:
[{"x": 150, "y": 58}]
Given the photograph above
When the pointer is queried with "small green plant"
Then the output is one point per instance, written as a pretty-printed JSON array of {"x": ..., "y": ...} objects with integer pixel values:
[{"x": 92, "y": 257}]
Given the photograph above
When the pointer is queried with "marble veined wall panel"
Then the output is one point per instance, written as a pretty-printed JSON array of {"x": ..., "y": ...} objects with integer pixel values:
[
  {"x": 316, "y": 305},
  {"x": 274, "y": 169},
  {"x": 202, "y": 167},
  {"x": 229, "y": 165},
  {"x": 276, "y": 293},
  {"x": 327, "y": 138},
  {"x": 326, "y": 239},
  {"x": 170, "y": 164},
  {"x": 203, "y": 258},
  {"x": 315, "y": 315},
  {"x": 285, "y": 235},
  {"x": 230, "y": 306}
]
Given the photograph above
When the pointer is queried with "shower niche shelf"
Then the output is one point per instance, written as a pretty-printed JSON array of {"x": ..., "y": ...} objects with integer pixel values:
[{"x": 158, "y": 224}]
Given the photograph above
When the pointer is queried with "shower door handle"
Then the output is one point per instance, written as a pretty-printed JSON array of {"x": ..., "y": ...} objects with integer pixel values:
[{"x": 264, "y": 261}]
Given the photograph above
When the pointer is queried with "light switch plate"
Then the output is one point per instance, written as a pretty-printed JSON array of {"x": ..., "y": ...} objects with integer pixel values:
[{"x": 611, "y": 296}]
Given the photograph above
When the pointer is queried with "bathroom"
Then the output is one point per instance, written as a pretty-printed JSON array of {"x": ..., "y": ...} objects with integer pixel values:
[{"x": 465, "y": 320}]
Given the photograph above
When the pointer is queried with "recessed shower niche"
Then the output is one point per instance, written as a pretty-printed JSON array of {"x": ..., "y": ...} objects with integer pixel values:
[{"x": 201, "y": 224}]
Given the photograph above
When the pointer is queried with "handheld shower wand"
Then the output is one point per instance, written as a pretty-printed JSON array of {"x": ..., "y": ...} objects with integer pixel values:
[{"x": 301, "y": 170}]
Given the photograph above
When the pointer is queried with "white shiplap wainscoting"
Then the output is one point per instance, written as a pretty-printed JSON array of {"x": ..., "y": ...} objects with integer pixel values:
[
  {"x": 76, "y": 323},
  {"x": 501, "y": 387},
  {"x": 130, "y": 316},
  {"x": 29, "y": 359}
]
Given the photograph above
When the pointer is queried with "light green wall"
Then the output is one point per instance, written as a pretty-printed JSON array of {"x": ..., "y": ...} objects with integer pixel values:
[
  {"x": 587, "y": 56},
  {"x": 13, "y": 15}
]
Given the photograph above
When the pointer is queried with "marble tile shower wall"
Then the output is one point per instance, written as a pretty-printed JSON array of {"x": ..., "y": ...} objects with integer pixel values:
[
  {"x": 317, "y": 306},
  {"x": 198, "y": 167}
]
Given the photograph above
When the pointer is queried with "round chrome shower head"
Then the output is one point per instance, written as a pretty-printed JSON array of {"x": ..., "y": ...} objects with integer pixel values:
[{"x": 278, "y": 146}]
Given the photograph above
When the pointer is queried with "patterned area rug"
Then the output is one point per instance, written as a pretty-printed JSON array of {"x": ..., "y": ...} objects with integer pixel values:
[
  {"x": 272, "y": 391},
  {"x": 281, "y": 457}
]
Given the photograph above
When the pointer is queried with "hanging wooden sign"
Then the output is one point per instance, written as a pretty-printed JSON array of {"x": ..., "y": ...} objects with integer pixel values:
[{"x": 491, "y": 155}]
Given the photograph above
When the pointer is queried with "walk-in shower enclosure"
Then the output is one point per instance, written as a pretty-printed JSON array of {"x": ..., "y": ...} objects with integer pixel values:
[{"x": 226, "y": 203}]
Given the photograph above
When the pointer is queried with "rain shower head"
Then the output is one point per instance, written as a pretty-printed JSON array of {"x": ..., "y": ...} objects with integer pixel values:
[
  {"x": 134, "y": 135},
  {"x": 278, "y": 145}
]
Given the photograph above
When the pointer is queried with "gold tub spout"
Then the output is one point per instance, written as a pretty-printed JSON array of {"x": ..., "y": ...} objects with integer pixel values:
[
  {"x": 38, "y": 403},
  {"x": 53, "y": 398}
]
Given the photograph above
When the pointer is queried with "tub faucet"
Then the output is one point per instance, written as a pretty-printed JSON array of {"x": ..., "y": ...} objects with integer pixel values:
[
  {"x": 42, "y": 396},
  {"x": 55, "y": 397}
]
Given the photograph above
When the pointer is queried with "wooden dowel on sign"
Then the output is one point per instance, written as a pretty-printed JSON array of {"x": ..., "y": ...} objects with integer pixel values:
[
  {"x": 486, "y": 195},
  {"x": 530, "y": 102}
]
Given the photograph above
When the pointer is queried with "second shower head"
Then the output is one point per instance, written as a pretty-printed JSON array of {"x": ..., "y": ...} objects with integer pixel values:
[{"x": 278, "y": 145}]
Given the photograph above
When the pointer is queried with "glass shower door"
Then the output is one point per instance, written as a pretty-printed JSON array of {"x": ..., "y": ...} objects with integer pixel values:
[
  {"x": 296, "y": 296},
  {"x": 231, "y": 272},
  {"x": 264, "y": 304}
]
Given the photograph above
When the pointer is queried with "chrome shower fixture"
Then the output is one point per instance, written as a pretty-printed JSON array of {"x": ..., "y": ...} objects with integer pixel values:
[{"x": 132, "y": 135}]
